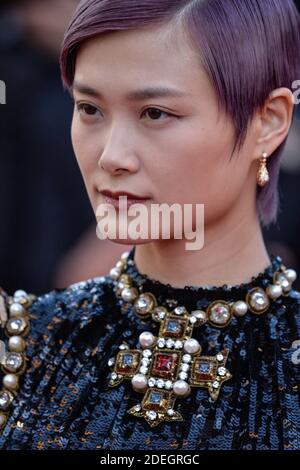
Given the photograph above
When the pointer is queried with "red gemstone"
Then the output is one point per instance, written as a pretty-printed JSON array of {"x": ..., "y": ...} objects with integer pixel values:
[
  {"x": 165, "y": 365},
  {"x": 164, "y": 362}
]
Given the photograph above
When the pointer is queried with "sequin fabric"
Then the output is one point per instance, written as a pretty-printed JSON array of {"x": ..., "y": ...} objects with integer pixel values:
[{"x": 65, "y": 401}]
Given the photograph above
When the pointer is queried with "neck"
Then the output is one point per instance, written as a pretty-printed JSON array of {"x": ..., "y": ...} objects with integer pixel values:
[{"x": 233, "y": 253}]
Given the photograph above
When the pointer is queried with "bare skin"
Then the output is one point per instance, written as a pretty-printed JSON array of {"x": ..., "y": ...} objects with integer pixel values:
[{"x": 121, "y": 146}]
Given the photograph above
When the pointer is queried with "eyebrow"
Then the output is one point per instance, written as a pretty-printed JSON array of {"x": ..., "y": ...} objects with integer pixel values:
[{"x": 136, "y": 95}]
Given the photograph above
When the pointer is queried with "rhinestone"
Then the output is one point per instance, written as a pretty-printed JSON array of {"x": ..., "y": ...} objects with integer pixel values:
[
  {"x": 137, "y": 408},
  {"x": 144, "y": 304},
  {"x": 180, "y": 310},
  {"x": 147, "y": 353},
  {"x": 178, "y": 344},
  {"x": 183, "y": 375},
  {"x": 17, "y": 326},
  {"x": 145, "y": 362},
  {"x": 151, "y": 415},
  {"x": 13, "y": 362},
  {"x": 170, "y": 343},
  {"x": 151, "y": 382},
  {"x": 168, "y": 385},
  {"x": 170, "y": 412},
  {"x": 5, "y": 400},
  {"x": 257, "y": 300},
  {"x": 114, "y": 376},
  {"x": 220, "y": 357},
  {"x": 143, "y": 370},
  {"x": 187, "y": 358},
  {"x": 123, "y": 347},
  {"x": 161, "y": 343},
  {"x": 219, "y": 313},
  {"x": 160, "y": 383},
  {"x": 216, "y": 384},
  {"x": 184, "y": 367},
  {"x": 222, "y": 371},
  {"x": 111, "y": 362},
  {"x": 193, "y": 320}
]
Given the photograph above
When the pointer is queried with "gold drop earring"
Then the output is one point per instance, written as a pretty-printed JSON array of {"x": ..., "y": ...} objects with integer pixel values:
[{"x": 263, "y": 175}]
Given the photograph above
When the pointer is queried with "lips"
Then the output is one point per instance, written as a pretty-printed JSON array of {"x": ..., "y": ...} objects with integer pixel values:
[{"x": 113, "y": 199}]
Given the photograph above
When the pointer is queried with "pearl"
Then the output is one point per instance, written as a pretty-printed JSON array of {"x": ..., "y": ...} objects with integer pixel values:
[
  {"x": 20, "y": 294},
  {"x": 192, "y": 346},
  {"x": 11, "y": 381},
  {"x": 274, "y": 291},
  {"x": 139, "y": 382},
  {"x": 147, "y": 339},
  {"x": 291, "y": 275},
  {"x": 115, "y": 273},
  {"x": 125, "y": 255},
  {"x": 240, "y": 308},
  {"x": 16, "y": 310},
  {"x": 16, "y": 344},
  {"x": 181, "y": 388},
  {"x": 129, "y": 294}
]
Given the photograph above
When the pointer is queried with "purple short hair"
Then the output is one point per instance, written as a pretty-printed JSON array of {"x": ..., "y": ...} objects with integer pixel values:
[{"x": 247, "y": 47}]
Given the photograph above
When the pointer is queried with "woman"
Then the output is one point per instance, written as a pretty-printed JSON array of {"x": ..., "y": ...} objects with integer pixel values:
[{"x": 174, "y": 348}]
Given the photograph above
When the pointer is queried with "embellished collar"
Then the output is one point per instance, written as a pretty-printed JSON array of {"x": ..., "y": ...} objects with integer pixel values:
[{"x": 167, "y": 364}]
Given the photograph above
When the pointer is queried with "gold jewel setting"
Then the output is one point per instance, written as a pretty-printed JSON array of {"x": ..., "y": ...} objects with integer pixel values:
[
  {"x": 13, "y": 363},
  {"x": 167, "y": 366}
]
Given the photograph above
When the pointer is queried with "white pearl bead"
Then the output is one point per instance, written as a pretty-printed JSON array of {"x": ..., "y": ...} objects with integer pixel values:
[
  {"x": 16, "y": 310},
  {"x": 16, "y": 344},
  {"x": 240, "y": 308},
  {"x": 19, "y": 294},
  {"x": 115, "y": 273},
  {"x": 181, "y": 388},
  {"x": 139, "y": 382},
  {"x": 11, "y": 381},
  {"x": 125, "y": 255},
  {"x": 192, "y": 346},
  {"x": 291, "y": 275},
  {"x": 274, "y": 291},
  {"x": 128, "y": 294},
  {"x": 147, "y": 339}
]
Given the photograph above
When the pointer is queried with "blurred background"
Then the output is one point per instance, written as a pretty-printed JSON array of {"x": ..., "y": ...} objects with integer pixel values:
[{"x": 47, "y": 230}]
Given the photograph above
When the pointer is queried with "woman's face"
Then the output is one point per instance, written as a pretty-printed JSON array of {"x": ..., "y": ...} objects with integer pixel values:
[{"x": 173, "y": 149}]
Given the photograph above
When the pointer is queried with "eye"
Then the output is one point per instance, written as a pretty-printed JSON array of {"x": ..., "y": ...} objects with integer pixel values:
[
  {"x": 87, "y": 110},
  {"x": 155, "y": 113}
]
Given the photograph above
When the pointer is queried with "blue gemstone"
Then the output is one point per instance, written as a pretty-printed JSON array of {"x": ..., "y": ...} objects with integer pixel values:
[
  {"x": 155, "y": 398},
  {"x": 127, "y": 359},
  {"x": 204, "y": 368},
  {"x": 173, "y": 326}
]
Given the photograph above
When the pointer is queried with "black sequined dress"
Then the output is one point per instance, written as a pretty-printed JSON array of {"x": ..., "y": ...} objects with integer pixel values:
[{"x": 65, "y": 401}]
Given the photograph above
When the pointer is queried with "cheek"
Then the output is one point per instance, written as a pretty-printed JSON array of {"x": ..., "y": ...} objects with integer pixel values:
[{"x": 84, "y": 149}]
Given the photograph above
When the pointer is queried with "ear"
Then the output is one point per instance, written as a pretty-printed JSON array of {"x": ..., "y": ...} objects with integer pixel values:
[{"x": 274, "y": 121}]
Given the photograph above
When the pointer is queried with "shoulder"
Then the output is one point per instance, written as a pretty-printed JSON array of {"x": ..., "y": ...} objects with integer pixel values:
[{"x": 74, "y": 304}]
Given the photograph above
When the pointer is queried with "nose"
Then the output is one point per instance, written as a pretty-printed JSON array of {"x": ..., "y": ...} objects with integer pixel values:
[{"x": 118, "y": 155}]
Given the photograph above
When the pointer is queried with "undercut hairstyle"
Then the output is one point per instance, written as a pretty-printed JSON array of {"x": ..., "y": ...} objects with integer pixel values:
[{"x": 248, "y": 48}]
